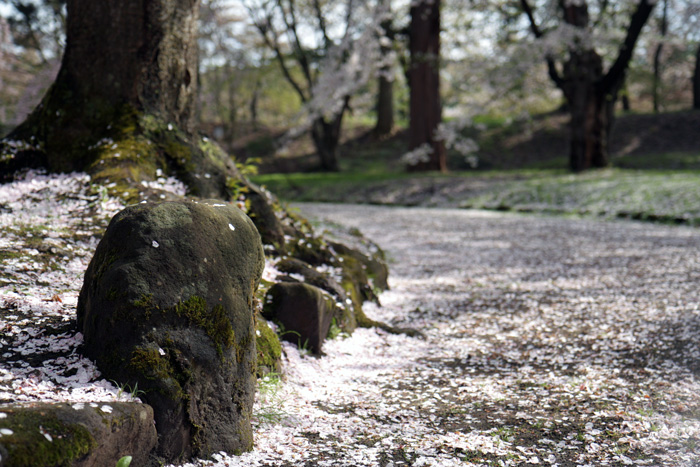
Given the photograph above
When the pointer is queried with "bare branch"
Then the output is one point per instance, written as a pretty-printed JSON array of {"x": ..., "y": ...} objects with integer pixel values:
[
  {"x": 551, "y": 65},
  {"x": 615, "y": 75},
  {"x": 271, "y": 39},
  {"x": 322, "y": 24}
]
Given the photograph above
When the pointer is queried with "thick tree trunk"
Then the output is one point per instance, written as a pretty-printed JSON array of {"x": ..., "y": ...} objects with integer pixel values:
[
  {"x": 696, "y": 80},
  {"x": 123, "y": 105},
  {"x": 589, "y": 122},
  {"x": 590, "y": 93},
  {"x": 425, "y": 104}
]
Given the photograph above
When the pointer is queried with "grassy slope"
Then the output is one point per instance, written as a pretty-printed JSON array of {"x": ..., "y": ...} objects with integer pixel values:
[{"x": 656, "y": 174}]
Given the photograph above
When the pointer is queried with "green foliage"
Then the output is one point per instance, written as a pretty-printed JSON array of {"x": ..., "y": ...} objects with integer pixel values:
[
  {"x": 335, "y": 331},
  {"x": 124, "y": 388},
  {"x": 270, "y": 402},
  {"x": 124, "y": 461}
]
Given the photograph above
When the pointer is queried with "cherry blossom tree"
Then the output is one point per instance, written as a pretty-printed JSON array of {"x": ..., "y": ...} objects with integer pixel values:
[
  {"x": 590, "y": 91},
  {"x": 385, "y": 82},
  {"x": 327, "y": 51}
]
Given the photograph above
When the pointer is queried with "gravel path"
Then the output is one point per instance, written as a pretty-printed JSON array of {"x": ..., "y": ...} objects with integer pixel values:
[{"x": 549, "y": 341}]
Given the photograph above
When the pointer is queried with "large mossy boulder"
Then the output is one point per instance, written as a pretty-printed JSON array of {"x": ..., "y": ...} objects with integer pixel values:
[
  {"x": 76, "y": 435},
  {"x": 167, "y": 303}
]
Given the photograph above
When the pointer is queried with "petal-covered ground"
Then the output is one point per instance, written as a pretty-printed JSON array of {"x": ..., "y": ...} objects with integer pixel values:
[{"x": 548, "y": 341}]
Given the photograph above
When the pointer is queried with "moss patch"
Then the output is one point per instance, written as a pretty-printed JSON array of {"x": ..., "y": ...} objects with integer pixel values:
[
  {"x": 215, "y": 323},
  {"x": 40, "y": 438},
  {"x": 268, "y": 348}
]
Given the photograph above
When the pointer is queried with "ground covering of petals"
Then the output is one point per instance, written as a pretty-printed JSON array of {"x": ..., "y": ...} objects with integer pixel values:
[{"x": 548, "y": 341}]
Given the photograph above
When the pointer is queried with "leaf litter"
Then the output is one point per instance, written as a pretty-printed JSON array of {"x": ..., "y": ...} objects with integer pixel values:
[{"x": 548, "y": 341}]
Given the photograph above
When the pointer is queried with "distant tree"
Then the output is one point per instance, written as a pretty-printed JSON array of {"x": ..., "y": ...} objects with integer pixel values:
[
  {"x": 385, "y": 82},
  {"x": 656, "y": 80},
  {"x": 325, "y": 68},
  {"x": 696, "y": 80},
  {"x": 589, "y": 91},
  {"x": 39, "y": 26},
  {"x": 428, "y": 152}
]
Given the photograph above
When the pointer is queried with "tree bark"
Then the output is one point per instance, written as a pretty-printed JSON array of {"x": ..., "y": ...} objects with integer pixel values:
[
  {"x": 123, "y": 105},
  {"x": 696, "y": 80},
  {"x": 590, "y": 94},
  {"x": 385, "y": 91},
  {"x": 425, "y": 104},
  {"x": 326, "y": 138},
  {"x": 587, "y": 123},
  {"x": 385, "y": 107},
  {"x": 656, "y": 80}
]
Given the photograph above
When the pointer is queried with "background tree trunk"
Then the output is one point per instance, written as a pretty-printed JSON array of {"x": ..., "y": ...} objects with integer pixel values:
[
  {"x": 326, "y": 137},
  {"x": 656, "y": 80},
  {"x": 590, "y": 95},
  {"x": 385, "y": 107},
  {"x": 385, "y": 91},
  {"x": 425, "y": 104},
  {"x": 581, "y": 73},
  {"x": 696, "y": 80}
]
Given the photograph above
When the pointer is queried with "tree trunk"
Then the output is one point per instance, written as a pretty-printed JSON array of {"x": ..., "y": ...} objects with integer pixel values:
[
  {"x": 591, "y": 94},
  {"x": 326, "y": 136},
  {"x": 696, "y": 80},
  {"x": 385, "y": 108},
  {"x": 425, "y": 104},
  {"x": 588, "y": 123},
  {"x": 385, "y": 92},
  {"x": 253, "y": 106},
  {"x": 626, "y": 104},
  {"x": 123, "y": 105},
  {"x": 656, "y": 79}
]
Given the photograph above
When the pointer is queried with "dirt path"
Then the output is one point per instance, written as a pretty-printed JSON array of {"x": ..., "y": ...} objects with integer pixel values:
[{"x": 549, "y": 342}]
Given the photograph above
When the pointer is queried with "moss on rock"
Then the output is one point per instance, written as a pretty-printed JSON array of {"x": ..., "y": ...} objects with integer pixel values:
[
  {"x": 38, "y": 437},
  {"x": 268, "y": 348}
]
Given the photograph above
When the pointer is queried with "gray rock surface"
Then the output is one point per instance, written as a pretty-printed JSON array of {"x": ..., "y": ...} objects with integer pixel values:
[
  {"x": 303, "y": 312},
  {"x": 167, "y": 304}
]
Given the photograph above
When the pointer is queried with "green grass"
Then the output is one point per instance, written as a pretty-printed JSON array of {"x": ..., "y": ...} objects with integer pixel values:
[
  {"x": 646, "y": 195},
  {"x": 654, "y": 195},
  {"x": 523, "y": 167}
]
